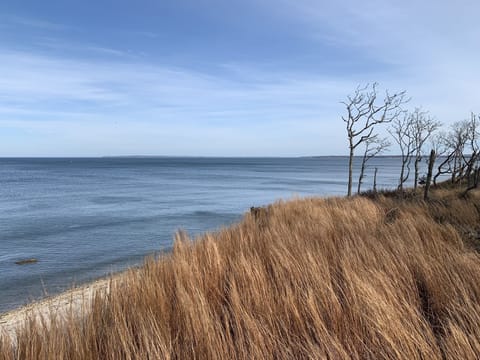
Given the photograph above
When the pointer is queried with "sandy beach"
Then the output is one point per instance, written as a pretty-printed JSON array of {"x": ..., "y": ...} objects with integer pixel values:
[{"x": 74, "y": 300}]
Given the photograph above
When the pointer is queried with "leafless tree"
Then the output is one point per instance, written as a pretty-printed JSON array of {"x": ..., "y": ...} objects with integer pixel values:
[
  {"x": 439, "y": 148},
  {"x": 374, "y": 146},
  {"x": 454, "y": 143},
  {"x": 402, "y": 132},
  {"x": 457, "y": 142},
  {"x": 471, "y": 162},
  {"x": 461, "y": 150},
  {"x": 437, "y": 143},
  {"x": 365, "y": 110},
  {"x": 423, "y": 126}
]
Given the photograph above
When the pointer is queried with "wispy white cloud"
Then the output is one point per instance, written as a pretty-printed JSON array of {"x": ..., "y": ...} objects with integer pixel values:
[
  {"x": 431, "y": 46},
  {"x": 159, "y": 108},
  {"x": 95, "y": 105},
  {"x": 84, "y": 50},
  {"x": 388, "y": 28},
  {"x": 13, "y": 20}
]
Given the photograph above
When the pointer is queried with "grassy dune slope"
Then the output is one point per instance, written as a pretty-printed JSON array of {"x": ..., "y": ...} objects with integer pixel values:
[{"x": 318, "y": 278}]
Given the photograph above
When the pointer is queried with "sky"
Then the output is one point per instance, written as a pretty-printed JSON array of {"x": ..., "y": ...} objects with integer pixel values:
[{"x": 222, "y": 78}]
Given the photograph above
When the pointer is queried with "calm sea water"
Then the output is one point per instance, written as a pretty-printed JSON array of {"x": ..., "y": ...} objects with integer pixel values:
[{"x": 84, "y": 218}]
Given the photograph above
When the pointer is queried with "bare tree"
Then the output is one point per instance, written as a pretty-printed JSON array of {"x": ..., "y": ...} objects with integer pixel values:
[
  {"x": 364, "y": 111},
  {"x": 439, "y": 145},
  {"x": 454, "y": 143},
  {"x": 374, "y": 146},
  {"x": 423, "y": 126},
  {"x": 402, "y": 132},
  {"x": 411, "y": 131},
  {"x": 472, "y": 162},
  {"x": 462, "y": 152},
  {"x": 457, "y": 140}
]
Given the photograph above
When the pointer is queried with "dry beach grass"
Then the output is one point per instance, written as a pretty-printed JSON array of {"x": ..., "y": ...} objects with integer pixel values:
[{"x": 337, "y": 278}]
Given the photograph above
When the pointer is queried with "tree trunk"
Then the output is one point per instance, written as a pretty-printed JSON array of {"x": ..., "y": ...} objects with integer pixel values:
[
  {"x": 375, "y": 180},
  {"x": 361, "y": 176},
  {"x": 454, "y": 171},
  {"x": 402, "y": 172},
  {"x": 350, "y": 170},
  {"x": 476, "y": 178},
  {"x": 431, "y": 161},
  {"x": 415, "y": 181},
  {"x": 469, "y": 176}
]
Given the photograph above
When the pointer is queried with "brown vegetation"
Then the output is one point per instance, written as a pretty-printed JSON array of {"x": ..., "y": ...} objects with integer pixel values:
[{"x": 338, "y": 278}]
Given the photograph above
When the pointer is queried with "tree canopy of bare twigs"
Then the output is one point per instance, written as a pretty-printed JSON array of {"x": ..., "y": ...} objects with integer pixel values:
[
  {"x": 460, "y": 149},
  {"x": 423, "y": 126},
  {"x": 374, "y": 146},
  {"x": 402, "y": 132},
  {"x": 364, "y": 111}
]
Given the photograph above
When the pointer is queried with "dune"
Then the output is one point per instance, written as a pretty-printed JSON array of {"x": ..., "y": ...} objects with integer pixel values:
[{"x": 382, "y": 277}]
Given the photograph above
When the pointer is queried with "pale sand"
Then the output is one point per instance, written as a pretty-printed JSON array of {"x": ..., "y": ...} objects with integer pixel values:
[{"x": 75, "y": 300}]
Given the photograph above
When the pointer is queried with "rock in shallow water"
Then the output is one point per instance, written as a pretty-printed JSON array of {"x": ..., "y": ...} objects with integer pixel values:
[{"x": 26, "y": 261}]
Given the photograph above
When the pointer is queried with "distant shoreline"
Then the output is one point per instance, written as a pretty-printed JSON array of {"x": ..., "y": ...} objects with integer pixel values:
[{"x": 106, "y": 157}]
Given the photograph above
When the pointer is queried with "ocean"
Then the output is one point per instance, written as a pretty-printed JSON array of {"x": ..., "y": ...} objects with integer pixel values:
[{"x": 83, "y": 218}]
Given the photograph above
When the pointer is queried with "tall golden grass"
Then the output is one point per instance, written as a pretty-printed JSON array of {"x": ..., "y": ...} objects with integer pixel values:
[{"x": 338, "y": 278}]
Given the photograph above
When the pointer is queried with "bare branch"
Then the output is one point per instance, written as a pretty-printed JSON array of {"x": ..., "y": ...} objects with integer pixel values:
[
  {"x": 402, "y": 132},
  {"x": 364, "y": 112},
  {"x": 374, "y": 145},
  {"x": 423, "y": 126},
  {"x": 461, "y": 149}
]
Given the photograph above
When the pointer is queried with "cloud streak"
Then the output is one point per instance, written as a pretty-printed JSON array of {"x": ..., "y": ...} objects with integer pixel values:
[
  {"x": 161, "y": 107},
  {"x": 91, "y": 99}
]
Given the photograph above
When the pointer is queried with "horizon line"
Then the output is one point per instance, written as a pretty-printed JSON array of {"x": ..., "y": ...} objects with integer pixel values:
[{"x": 186, "y": 156}]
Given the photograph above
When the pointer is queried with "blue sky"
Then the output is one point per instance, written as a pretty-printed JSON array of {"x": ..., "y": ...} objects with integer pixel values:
[{"x": 221, "y": 78}]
